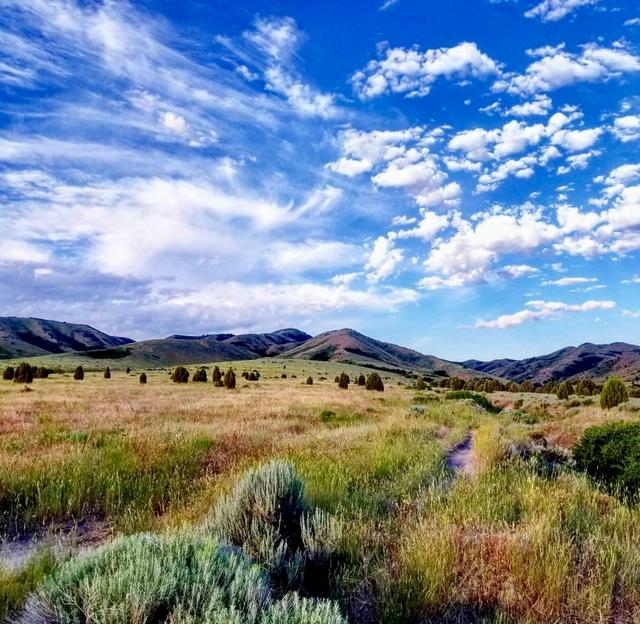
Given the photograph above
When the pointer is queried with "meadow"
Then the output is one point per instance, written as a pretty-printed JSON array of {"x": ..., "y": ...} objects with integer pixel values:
[{"x": 518, "y": 536}]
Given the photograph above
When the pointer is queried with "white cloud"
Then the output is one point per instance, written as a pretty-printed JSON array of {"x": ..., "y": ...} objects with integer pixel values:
[
  {"x": 313, "y": 255},
  {"x": 539, "y": 106},
  {"x": 519, "y": 270},
  {"x": 631, "y": 314},
  {"x": 427, "y": 227},
  {"x": 384, "y": 259},
  {"x": 554, "y": 10},
  {"x": 173, "y": 122},
  {"x": 557, "y": 68},
  {"x": 576, "y": 140},
  {"x": 412, "y": 72},
  {"x": 542, "y": 310},
  {"x": 570, "y": 281},
  {"x": 627, "y": 128}
]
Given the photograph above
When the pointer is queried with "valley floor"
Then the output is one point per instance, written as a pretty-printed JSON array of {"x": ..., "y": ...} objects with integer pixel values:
[{"x": 450, "y": 514}]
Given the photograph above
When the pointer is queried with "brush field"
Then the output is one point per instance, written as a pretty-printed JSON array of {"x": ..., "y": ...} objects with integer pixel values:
[{"x": 518, "y": 536}]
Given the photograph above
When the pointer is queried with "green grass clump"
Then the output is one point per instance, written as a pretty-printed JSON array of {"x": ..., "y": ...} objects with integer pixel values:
[
  {"x": 610, "y": 454},
  {"x": 188, "y": 578},
  {"x": 479, "y": 399},
  {"x": 16, "y": 585},
  {"x": 105, "y": 477}
]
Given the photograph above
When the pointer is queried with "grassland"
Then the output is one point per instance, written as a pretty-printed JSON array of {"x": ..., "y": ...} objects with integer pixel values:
[{"x": 517, "y": 540}]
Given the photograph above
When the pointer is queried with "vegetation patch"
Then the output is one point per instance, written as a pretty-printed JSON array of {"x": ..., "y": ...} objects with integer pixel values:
[{"x": 479, "y": 399}]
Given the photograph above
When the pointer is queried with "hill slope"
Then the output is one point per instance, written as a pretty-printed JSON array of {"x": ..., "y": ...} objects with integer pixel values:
[
  {"x": 588, "y": 359},
  {"x": 27, "y": 337},
  {"x": 349, "y": 346}
]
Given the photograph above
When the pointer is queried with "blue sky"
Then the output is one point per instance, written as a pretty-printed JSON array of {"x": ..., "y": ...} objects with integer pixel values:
[{"x": 459, "y": 177}]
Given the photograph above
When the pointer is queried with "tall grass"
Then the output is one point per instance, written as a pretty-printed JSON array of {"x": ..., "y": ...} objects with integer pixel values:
[{"x": 108, "y": 476}]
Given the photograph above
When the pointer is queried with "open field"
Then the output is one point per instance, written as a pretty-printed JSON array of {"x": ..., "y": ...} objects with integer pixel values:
[{"x": 511, "y": 537}]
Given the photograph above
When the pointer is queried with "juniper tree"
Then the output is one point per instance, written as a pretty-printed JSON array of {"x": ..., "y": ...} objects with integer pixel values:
[
  {"x": 23, "y": 373},
  {"x": 78, "y": 375},
  {"x": 361, "y": 380},
  {"x": 309, "y": 381},
  {"x": 343, "y": 381},
  {"x": 563, "y": 391},
  {"x": 374, "y": 382},
  {"x": 143, "y": 378},
  {"x": 180, "y": 375},
  {"x": 200, "y": 375},
  {"x": 613, "y": 393},
  {"x": 420, "y": 385},
  {"x": 107, "y": 373},
  {"x": 230, "y": 379},
  {"x": 8, "y": 373},
  {"x": 216, "y": 376}
]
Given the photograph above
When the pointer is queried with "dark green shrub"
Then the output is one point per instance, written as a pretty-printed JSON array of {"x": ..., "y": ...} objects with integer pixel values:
[
  {"x": 374, "y": 382},
  {"x": 78, "y": 374},
  {"x": 128, "y": 370},
  {"x": 230, "y": 379},
  {"x": 283, "y": 376},
  {"x": 8, "y": 373},
  {"x": 23, "y": 373},
  {"x": 420, "y": 385},
  {"x": 200, "y": 375},
  {"x": 613, "y": 393},
  {"x": 216, "y": 376},
  {"x": 455, "y": 383},
  {"x": 563, "y": 391},
  {"x": 143, "y": 378},
  {"x": 107, "y": 373},
  {"x": 527, "y": 386},
  {"x": 180, "y": 375},
  {"x": 361, "y": 380},
  {"x": 343, "y": 381},
  {"x": 610, "y": 454},
  {"x": 585, "y": 387},
  {"x": 478, "y": 399},
  {"x": 41, "y": 373},
  {"x": 309, "y": 381},
  {"x": 513, "y": 387}
]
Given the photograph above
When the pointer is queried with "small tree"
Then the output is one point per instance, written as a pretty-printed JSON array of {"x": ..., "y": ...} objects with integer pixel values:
[
  {"x": 374, "y": 382},
  {"x": 343, "y": 381},
  {"x": 216, "y": 376},
  {"x": 420, "y": 385},
  {"x": 78, "y": 375},
  {"x": 456, "y": 383},
  {"x": 309, "y": 381},
  {"x": 8, "y": 373},
  {"x": 200, "y": 375},
  {"x": 180, "y": 375},
  {"x": 283, "y": 376},
  {"x": 513, "y": 387},
  {"x": 563, "y": 391},
  {"x": 252, "y": 376},
  {"x": 613, "y": 393},
  {"x": 107, "y": 373},
  {"x": 527, "y": 386},
  {"x": 143, "y": 378},
  {"x": 41, "y": 373},
  {"x": 23, "y": 373},
  {"x": 337, "y": 378},
  {"x": 230, "y": 379},
  {"x": 361, "y": 380},
  {"x": 128, "y": 370}
]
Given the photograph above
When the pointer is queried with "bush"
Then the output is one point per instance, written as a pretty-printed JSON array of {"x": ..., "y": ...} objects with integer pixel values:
[
  {"x": 252, "y": 376},
  {"x": 200, "y": 375},
  {"x": 107, "y": 373},
  {"x": 343, "y": 381},
  {"x": 610, "y": 454},
  {"x": 420, "y": 385},
  {"x": 455, "y": 383},
  {"x": 361, "y": 380},
  {"x": 180, "y": 375},
  {"x": 283, "y": 376},
  {"x": 41, "y": 373},
  {"x": 230, "y": 379},
  {"x": 23, "y": 373},
  {"x": 186, "y": 579},
  {"x": 267, "y": 516},
  {"x": 374, "y": 382},
  {"x": 613, "y": 393},
  {"x": 309, "y": 381},
  {"x": 78, "y": 374},
  {"x": 216, "y": 376},
  {"x": 143, "y": 378},
  {"x": 8, "y": 373},
  {"x": 527, "y": 386},
  {"x": 563, "y": 391},
  {"x": 337, "y": 378},
  {"x": 513, "y": 387},
  {"x": 479, "y": 399}
]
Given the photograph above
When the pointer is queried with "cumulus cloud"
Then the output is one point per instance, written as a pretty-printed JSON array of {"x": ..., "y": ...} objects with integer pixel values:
[
  {"x": 554, "y": 10},
  {"x": 627, "y": 128},
  {"x": 569, "y": 281},
  {"x": 543, "y": 310},
  {"x": 384, "y": 259},
  {"x": 557, "y": 68},
  {"x": 410, "y": 72}
]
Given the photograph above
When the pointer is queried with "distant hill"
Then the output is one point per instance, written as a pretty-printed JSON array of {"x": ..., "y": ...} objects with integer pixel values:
[
  {"x": 351, "y": 347},
  {"x": 28, "y": 337},
  {"x": 590, "y": 360},
  {"x": 181, "y": 349}
]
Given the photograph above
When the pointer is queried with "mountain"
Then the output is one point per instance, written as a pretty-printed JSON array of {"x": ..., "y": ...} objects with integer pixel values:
[
  {"x": 27, "y": 337},
  {"x": 351, "y": 347},
  {"x": 181, "y": 349},
  {"x": 588, "y": 359}
]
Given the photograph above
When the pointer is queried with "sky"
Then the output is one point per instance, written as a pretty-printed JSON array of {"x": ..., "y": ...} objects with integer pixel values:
[{"x": 461, "y": 177}]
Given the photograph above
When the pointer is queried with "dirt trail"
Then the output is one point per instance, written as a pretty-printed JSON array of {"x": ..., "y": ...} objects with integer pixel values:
[
  {"x": 460, "y": 458},
  {"x": 63, "y": 540}
]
